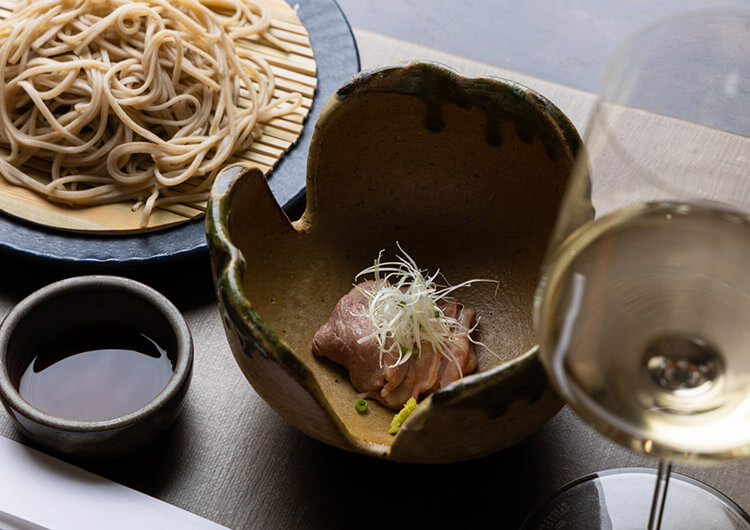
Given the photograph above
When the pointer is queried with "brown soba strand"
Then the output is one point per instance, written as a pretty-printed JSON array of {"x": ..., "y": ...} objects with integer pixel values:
[{"x": 123, "y": 99}]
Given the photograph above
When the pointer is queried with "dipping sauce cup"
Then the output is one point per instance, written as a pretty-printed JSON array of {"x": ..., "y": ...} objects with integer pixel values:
[{"x": 94, "y": 367}]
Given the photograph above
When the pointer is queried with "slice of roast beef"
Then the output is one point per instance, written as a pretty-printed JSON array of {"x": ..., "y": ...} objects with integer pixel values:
[{"x": 422, "y": 374}]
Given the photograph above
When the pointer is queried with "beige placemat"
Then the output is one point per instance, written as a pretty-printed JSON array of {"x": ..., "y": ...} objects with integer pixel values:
[{"x": 376, "y": 49}]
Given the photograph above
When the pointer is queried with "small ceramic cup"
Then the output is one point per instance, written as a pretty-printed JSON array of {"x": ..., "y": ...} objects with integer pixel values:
[{"x": 53, "y": 311}]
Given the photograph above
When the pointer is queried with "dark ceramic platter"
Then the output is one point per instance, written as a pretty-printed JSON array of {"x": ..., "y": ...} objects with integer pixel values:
[{"x": 337, "y": 60}]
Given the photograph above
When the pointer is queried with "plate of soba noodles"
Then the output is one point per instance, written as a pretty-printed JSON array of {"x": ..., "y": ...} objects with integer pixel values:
[{"x": 117, "y": 115}]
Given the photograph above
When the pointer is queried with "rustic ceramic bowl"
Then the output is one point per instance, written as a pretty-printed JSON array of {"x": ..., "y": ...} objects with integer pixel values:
[
  {"x": 467, "y": 175},
  {"x": 60, "y": 306}
]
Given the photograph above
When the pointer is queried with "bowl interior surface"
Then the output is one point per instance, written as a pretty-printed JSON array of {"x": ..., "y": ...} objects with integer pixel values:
[
  {"x": 78, "y": 310},
  {"x": 390, "y": 168}
]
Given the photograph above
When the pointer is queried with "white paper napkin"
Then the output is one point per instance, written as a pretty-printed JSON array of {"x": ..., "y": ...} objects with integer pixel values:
[{"x": 38, "y": 491}]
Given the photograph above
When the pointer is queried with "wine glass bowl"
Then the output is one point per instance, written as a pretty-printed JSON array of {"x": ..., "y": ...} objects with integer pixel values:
[
  {"x": 664, "y": 384},
  {"x": 641, "y": 311}
]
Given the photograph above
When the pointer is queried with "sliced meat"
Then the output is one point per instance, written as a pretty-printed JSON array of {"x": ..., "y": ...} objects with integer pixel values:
[
  {"x": 415, "y": 377},
  {"x": 422, "y": 374},
  {"x": 337, "y": 340},
  {"x": 462, "y": 349}
]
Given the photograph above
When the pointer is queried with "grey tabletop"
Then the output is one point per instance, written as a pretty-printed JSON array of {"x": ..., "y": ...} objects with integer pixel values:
[{"x": 231, "y": 459}]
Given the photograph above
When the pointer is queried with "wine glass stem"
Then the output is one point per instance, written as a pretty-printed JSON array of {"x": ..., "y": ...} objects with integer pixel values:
[{"x": 660, "y": 494}]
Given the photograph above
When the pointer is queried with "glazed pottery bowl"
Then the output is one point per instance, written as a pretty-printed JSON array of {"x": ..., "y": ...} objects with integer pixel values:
[
  {"x": 466, "y": 175},
  {"x": 48, "y": 317}
]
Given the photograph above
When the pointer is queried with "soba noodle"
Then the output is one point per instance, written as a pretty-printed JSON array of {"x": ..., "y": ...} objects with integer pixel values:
[{"x": 124, "y": 99}]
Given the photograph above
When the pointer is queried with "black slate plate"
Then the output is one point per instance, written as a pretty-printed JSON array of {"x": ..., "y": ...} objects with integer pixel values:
[{"x": 337, "y": 60}]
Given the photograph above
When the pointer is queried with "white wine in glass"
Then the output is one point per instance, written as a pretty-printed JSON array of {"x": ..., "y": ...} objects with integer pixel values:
[{"x": 643, "y": 311}]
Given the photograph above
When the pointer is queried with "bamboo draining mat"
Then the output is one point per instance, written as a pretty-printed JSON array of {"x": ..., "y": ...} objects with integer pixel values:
[{"x": 294, "y": 70}]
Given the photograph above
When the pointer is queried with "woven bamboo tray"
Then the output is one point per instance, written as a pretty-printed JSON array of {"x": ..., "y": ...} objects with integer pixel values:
[{"x": 294, "y": 70}]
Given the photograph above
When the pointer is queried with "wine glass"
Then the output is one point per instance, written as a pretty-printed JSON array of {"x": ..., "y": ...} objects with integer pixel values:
[{"x": 643, "y": 310}]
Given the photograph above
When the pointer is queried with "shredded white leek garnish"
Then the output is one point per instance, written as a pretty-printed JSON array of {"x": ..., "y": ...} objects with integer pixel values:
[{"x": 404, "y": 311}]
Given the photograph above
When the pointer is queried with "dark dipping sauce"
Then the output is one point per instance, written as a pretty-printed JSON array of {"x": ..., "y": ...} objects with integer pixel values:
[{"x": 97, "y": 372}]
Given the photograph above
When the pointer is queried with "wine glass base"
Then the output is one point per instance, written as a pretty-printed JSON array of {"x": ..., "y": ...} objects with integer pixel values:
[{"x": 620, "y": 499}]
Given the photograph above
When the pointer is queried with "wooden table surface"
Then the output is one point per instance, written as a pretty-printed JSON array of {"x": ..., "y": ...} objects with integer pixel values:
[{"x": 231, "y": 459}]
